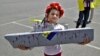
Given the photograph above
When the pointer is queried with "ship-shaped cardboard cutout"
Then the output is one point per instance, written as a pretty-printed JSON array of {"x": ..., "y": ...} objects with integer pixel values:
[{"x": 47, "y": 38}]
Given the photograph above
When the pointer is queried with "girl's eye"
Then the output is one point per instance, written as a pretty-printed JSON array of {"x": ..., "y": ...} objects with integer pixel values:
[
  {"x": 52, "y": 14},
  {"x": 55, "y": 14}
]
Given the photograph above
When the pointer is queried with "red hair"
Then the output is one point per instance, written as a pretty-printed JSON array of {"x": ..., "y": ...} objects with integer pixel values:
[{"x": 55, "y": 5}]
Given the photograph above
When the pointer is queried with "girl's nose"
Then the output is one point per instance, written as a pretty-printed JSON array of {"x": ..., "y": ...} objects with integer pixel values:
[{"x": 55, "y": 15}]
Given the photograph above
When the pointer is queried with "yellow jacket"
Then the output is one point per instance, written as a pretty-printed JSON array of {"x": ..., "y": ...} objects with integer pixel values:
[{"x": 81, "y": 5}]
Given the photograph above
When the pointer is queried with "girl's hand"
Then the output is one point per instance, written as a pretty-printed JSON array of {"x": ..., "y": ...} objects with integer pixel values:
[
  {"x": 85, "y": 41},
  {"x": 23, "y": 47}
]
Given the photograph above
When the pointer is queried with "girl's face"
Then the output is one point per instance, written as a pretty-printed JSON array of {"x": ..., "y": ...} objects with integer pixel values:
[{"x": 53, "y": 16}]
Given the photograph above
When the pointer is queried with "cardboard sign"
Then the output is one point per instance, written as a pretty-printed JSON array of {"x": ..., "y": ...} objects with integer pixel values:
[{"x": 46, "y": 38}]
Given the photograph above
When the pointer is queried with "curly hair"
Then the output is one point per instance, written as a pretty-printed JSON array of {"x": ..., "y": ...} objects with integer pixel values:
[{"x": 55, "y": 5}]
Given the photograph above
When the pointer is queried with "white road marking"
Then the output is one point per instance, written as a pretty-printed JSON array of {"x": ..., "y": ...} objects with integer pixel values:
[
  {"x": 6, "y": 24},
  {"x": 21, "y": 20},
  {"x": 92, "y": 46},
  {"x": 95, "y": 22},
  {"x": 11, "y": 22},
  {"x": 22, "y": 25}
]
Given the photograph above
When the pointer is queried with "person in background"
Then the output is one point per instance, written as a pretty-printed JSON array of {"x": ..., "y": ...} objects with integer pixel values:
[{"x": 85, "y": 6}]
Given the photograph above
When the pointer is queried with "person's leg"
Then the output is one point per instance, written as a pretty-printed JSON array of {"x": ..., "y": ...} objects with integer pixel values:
[
  {"x": 79, "y": 19},
  {"x": 86, "y": 16}
]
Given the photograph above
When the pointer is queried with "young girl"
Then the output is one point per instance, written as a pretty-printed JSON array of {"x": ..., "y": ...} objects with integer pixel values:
[
  {"x": 84, "y": 10},
  {"x": 54, "y": 12}
]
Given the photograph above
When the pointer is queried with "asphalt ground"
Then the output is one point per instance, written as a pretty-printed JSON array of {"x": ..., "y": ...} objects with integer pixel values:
[{"x": 15, "y": 17}]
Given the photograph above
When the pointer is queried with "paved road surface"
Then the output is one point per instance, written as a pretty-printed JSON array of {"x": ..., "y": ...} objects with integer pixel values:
[{"x": 14, "y": 17}]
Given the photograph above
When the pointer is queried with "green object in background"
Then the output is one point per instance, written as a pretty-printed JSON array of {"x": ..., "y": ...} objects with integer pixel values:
[{"x": 35, "y": 19}]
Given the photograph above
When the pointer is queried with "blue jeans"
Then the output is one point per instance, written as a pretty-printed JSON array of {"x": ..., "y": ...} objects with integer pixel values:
[{"x": 83, "y": 17}]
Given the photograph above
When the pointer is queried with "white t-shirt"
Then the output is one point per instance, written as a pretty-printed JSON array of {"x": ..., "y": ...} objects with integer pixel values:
[
  {"x": 55, "y": 49},
  {"x": 52, "y": 50}
]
